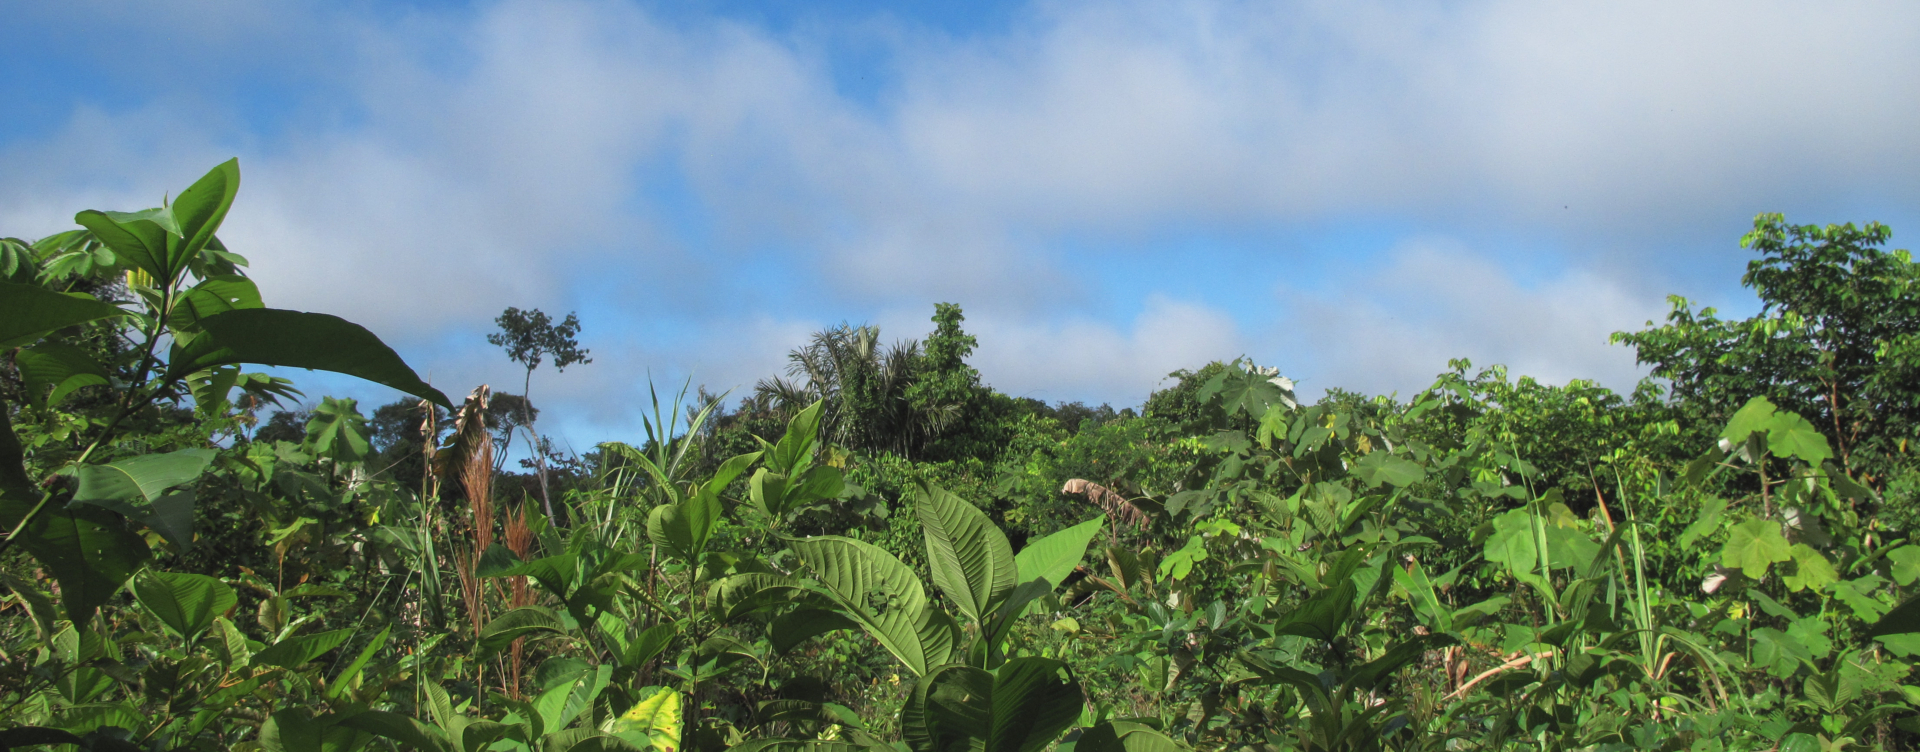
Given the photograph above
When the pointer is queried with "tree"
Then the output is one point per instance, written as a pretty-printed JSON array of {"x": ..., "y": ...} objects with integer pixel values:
[
  {"x": 1837, "y": 340},
  {"x": 862, "y": 385},
  {"x": 529, "y": 337}
]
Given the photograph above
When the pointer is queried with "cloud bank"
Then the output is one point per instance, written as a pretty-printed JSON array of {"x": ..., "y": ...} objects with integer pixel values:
[{"x": 706, "y": 189}]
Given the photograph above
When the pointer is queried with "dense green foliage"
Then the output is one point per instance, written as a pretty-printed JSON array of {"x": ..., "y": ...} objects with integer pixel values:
[{"x": 879, "y": 551}]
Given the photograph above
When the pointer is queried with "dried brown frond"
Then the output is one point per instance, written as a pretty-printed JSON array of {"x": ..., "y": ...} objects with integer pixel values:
[{"x": 1108, "y": 500}]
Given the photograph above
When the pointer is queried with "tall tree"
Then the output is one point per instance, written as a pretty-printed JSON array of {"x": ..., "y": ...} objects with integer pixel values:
[
  {"x": 1837, "y": 340},
  {"x": 530, "y": 337}
]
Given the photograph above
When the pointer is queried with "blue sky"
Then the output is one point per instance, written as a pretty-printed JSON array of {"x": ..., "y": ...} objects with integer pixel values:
[{"x": 1354, "y": 192}]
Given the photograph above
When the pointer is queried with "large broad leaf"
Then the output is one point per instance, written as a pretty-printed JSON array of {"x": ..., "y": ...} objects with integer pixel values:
[
  {"x": 683, "y": 527},
  {"x": 1054, "y": 557},
  {"x": 1381, "y": 467},
  {"x": 1754, "y": 545},
  {"x": 140, "y": 480},
  {"x": 657, "y": 717},
  {"x": 1034, "y": 699},
  {"x": 1023, "y": 707},
  {"x": 396, "y": 727},
  {"x": 163, "y": 242},
  {"x": 515, "y": 624},
  {"x": 1754, "y": 416},
  {"x": 790, "y": 629},
  {"x": 794, "y": 453},
  {"x": 89, "y": 550},
  {"x": 53, "y": 370},
  {"x": 1513, "y": 543},
  {"x": 1789, "y": 435},
  {"x": 1322, "y": 616},
  {"x": 971, "y": 560},
  {"x": 881, "y": 593},
  {"x": 199, "y": 210},
  {"x": 1903, "y": 619},
  {"x": 186, "y": 603},
  {"x": 274, "y": 337},
  {"x": 1120, "y": 736},
  {"x": 28, "y": 312},
  {"x": 212, "y": 296},
  {"x": 295, "y": 652}
]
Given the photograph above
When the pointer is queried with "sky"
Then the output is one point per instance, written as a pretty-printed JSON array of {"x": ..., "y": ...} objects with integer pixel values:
[{"x": 1354, "y": 192}]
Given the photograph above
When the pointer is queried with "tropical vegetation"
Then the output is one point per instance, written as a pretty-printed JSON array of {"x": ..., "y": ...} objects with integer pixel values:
[{"x": 877, "y": 550}]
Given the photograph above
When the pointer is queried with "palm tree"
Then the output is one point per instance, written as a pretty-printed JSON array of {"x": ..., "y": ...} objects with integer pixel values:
[{"x": 863, "y": 388}]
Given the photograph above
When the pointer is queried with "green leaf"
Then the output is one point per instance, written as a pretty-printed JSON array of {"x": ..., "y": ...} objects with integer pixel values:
[
  {"x": 1513, "y": 543},
  {"x": 90, "y": 552},
  {"x": 1755, "y": 416},
  {"x": 1034, "y": 699},
  {"x": 1789, "y": 435},
  {"x": 28, "y": 312},
  {"x": 512, "y": 625},
  {"x": 53, "y": 370},
  {"x": 1706, "y": 523},
  {"x": 199, "y": 210},
  {"x": 788, "y": 630},
  {"x": 396, "y": 727},
  {"x": 294, "y": 652},
  {"x": 971, "y": 560},
  {"x": 1054, "y": 557},
  {"x": 1812, "y": 571},
  {"x": 1179, "y": 564},
  {"x": 141, "y": 479},
  {"x": 1120, "y": 736},
  {"x": 1903, "y": 619},
  {"x": 878, "y": 591},
  {"x": 1906, "y": 564},
  {"x": 795, "y": 450},
  {"x": 1379, "y": 467},
  {"x": 274, "y": 337},
  {"x": 1323, "y": 616},
  {"x": 1754, "y": 545},
  {"x": 340, "y": 683},
  {"x": 1023, "y": 707},
  {"x": 186, "y": 603},
  {"x": 337, "y": 430},
  {"x": 650, "y": 643},
  {"x": 213, "y": 295},
  {"x": 136, "y": 239}
]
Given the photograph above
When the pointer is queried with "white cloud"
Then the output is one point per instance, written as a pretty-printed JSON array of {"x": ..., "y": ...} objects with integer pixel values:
[
  {"x": 445, "y": 164},
  {"x": 1434, "y": 300},
  {"x": 1086, "y": 359}
]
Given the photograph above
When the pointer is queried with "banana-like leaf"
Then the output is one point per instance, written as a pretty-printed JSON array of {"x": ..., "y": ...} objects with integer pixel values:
[
  {"x": 971, "y": 560},
  {"x": 1055, "y": 556},
  {"x": 274, "y": 337},
  {"x": 186, "y": 603},
  {"x": 881, "y": 593},
  {"x": 28, "y": 312}
]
